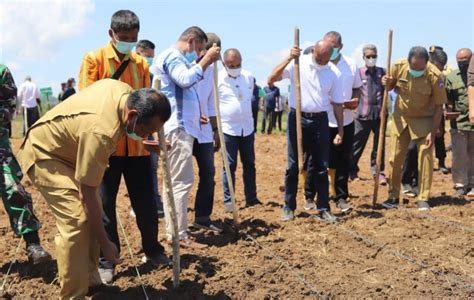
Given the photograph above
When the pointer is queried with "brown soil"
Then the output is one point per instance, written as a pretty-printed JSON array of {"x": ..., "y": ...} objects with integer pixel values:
[{"x": 370, "y": 253}]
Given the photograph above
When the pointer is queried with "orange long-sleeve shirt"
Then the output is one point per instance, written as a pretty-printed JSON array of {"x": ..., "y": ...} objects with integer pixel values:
[{"x": 102, "y": 63}]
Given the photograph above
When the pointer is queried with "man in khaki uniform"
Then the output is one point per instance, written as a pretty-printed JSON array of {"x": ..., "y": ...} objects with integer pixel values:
[
  {"x": 417, "y": 114},
  {"x": 65, "y": 155}
]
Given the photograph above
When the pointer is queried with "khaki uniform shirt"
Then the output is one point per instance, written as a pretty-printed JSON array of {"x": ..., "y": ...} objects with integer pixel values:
[
  {"x": 73, "y": 142},
  {"x": 417, "y": 97}
]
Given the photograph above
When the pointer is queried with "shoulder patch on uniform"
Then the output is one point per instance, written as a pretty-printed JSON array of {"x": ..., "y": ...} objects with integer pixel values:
[{"x": 440, "y": 83}]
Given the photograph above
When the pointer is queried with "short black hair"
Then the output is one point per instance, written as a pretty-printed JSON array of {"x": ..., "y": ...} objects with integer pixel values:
[
  {"x": 145, "y": 44},
  {"x": 336, "y": 34},
  {"x": 149, "y": 103},
  {"x": 418, "y": 52},
  {"x": 439, "y": 56},
  {"x": 196, "y": 32},
  {"x": 124, "y": 20}
]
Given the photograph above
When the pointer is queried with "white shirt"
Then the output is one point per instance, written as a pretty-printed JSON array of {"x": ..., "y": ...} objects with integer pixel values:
[
  {"x": 235, "y": 103},
  {"x": 28, "y": 93},
  {"x": 205, "y": 89},
  {"x": 318, "y": 88},
  {"x": 179, "y": 80},
  {"x": 279, "y": 105},
  {"x": 350, "y": 78}
]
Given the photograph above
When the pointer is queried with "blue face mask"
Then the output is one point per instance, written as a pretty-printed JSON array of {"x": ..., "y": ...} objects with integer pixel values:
[
  {"x": 132, "y": 134},
  {"x": 124, "y": 47},
  {"x": 191, "y": 56},
  {"x": 416, "y": 73},
  {"x": 149, "y": 60},
  {"x": 335, "y": 54}
]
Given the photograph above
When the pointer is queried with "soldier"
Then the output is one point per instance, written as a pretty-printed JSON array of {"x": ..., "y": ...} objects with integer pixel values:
[
  {"x": 417, "y": 114},
  {"x": 16, "y": 199}
]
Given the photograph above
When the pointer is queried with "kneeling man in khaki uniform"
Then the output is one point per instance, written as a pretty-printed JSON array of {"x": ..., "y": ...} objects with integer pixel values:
[{"x": 65, "y": 155}]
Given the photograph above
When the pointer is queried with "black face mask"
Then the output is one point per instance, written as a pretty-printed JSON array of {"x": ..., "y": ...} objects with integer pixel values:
[{"x": 463, "y": 66}]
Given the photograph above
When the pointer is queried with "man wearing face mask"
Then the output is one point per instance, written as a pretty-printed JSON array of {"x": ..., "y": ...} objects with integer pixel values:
[
  {"x": 179, "y": 75},
  {"x": 417, "y": 115},
  {"x": 65, "y": 155},
  {"x": 235, "y": 96},
  {"x": 131, "y": 158},
  {"x": 340, "y": 155},
  {"x": 462, "y": 131},
  {"x": 369, "y": 113},
  {"x": 316, "y": 101}
]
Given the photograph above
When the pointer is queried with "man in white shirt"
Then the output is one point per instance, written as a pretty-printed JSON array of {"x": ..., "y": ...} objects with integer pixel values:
[
  {"x": 340, "y": 155},
  {"x": 321, "y": 93},
  {"x": 29, "y": 97},
  {"x": 179, "y": 76},
  {"x": 205, "y": 145},
  {"x": 235, "y": 96}
]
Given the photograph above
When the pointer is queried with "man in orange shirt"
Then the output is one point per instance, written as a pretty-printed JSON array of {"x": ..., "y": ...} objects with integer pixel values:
[{"x": 117, "y": 61}]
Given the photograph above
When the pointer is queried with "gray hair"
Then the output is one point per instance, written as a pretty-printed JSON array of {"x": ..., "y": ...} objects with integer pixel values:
[
  {"x": 369, "y": 47},
  {"x": 149, "y": 103}
]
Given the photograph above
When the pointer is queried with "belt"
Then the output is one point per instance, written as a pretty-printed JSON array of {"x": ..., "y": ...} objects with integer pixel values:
[{"x": 310, "y": 115}]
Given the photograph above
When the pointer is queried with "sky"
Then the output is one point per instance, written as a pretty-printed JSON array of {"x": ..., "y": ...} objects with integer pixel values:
[{"x": 48, "y": 39}]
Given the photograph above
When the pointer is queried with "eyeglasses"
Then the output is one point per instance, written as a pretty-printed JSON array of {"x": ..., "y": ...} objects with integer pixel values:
[{"x": 371, "y": 56}]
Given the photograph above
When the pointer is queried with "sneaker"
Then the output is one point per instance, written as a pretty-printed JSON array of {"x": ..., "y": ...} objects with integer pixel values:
[
  {"x": 209, "y": 226},
  {"x": 157, "y": 260},
  {"x": 382, "y": 179},
  {"x": 391, "y": 203},
  {"x": 228, "y": 207},
  {"x": 160, "y": 209},
  {"x": 36, "y": 254},
  {"x": 444, "y": 170},
  {"x": 132, "y": 213},
  {"x": 253, "y": 203},
  {"x": 409, "y": 191},
  {"x": 344, "y": 206},
  {"x": 461, "y": 191},
  {"x": 106, "y": 275},
  {"x": 309, "y": 204},
  {"x": 326, "y": 215},
  {"x": 423, "y": 205},
  {"x": 288, "y": 214},
  {"x": 470, "y": 194}
]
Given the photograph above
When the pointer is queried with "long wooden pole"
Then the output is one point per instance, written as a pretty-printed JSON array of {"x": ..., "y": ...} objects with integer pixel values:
[
  {"x": 170, "y": 199},
  {"x": 223, "y": 146},
  {"x": 383, "y": 123},
  {"x": 299, "y": 131}
]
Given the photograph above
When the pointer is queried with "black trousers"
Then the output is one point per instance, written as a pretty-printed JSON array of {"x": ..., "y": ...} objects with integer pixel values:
[
  {"x": 255, "y": 117},
  {"x": 277, "y": 119},
  {"x": 410, "y": 167},
  {"x": 136, "y": 172},
  {"x": 440, "y": 149},
  {"x": 340, "y": 160},
  {"x": 361, "y": 136},
  {"x": 32, "y": 115}
]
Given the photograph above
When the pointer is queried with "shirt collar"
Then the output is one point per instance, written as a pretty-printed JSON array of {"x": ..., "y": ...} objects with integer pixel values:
[{"x": 110, "y": 53}]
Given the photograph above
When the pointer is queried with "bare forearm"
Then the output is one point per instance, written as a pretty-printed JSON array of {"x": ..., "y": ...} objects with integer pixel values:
[
  {"x": 437, "y": 119},
  {"x": 356, "y": 93},
  {"x": 213, "y": 121},
  {"x": 471, "y": 103},
  {"x": 93, "y": 212},
  {"x": 339, "y": 114},
  {"x": 277, "y": 72}
]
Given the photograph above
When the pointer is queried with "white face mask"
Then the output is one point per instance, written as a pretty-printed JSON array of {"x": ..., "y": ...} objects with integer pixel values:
[
  {"x": 370, "y": 62},
  {"x": 234, "y": 72},
  {"x": 317, "y": 66}
]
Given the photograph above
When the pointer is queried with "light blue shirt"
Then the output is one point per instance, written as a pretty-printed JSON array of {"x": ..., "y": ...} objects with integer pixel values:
[{"x": 179, "y": 80}]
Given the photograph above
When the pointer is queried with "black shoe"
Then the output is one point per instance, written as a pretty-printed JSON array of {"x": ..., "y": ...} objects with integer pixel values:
[
  {"x": 160, "y": 209},
  {"x": 444, "y": 170},
  {"x": 208, "y": 226},
  {"x": 37, "y": 255},
  {"x": 409, "y": 191},
  {"x": 344, "y": 206},
  {"x": 253, "y": 203},
  {"x": 157, "y": 260},
  {"x": 391, "y": 203},
  {"x": 461, "y": 191},
  {"x": 326, "y": 215}
]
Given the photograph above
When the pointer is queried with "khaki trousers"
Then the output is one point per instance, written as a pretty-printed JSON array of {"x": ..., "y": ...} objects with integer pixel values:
[
  {"x": 77, "y": 250},
  {"x": 425, "y": 165}
]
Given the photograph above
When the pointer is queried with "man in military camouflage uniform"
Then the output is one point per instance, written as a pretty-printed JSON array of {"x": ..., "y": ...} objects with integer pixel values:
[{"x": 16, "y": 199}]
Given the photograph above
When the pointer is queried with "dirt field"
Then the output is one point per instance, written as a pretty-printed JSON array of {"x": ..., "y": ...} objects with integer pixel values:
[{"x": 369, "y": 253}]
